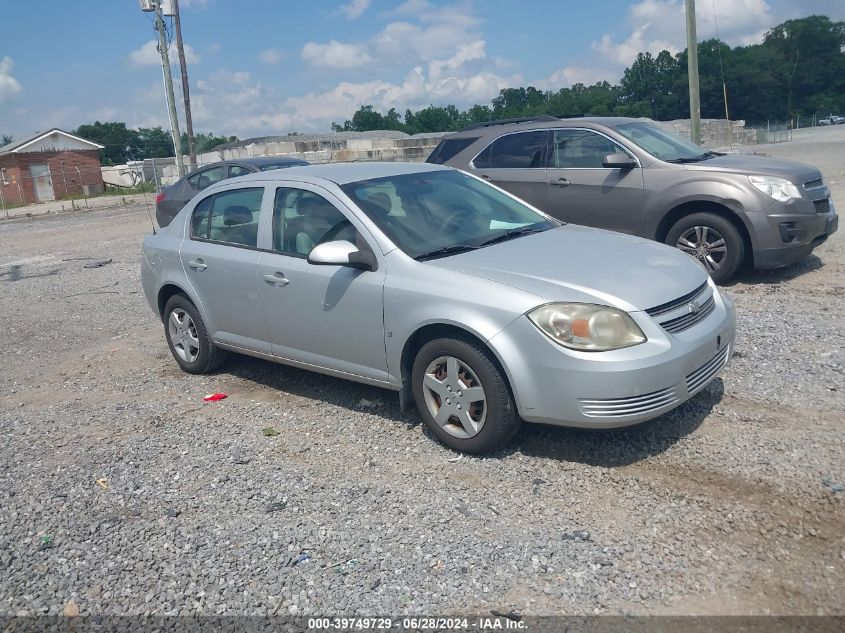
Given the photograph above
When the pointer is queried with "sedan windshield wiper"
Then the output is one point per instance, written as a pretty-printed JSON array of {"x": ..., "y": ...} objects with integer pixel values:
[
  {"x": 512, "y": 233},
  {"x": 446, "y": 250}
]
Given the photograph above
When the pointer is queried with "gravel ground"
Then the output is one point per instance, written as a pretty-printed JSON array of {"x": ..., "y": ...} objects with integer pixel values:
[{"x": 123, "y": 492}]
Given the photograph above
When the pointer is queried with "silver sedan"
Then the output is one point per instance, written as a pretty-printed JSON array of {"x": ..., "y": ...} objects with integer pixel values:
[{"x": 477, "y": 307}]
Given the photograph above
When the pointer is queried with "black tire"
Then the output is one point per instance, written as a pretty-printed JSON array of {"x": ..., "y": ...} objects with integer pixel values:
[
  {"x": 209, "y": 356},
  {"x": 735, "y": 254},
  {"x": 501, "y": 421}
]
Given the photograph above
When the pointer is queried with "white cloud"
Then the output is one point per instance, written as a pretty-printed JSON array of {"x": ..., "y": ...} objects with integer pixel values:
[
  {"x": 440, "y": 31},
  {"x": 9, "y": 86},
  {"x": 354, "y": 9},
  {"x": 660, "y": 25},
  {"x": 570, "y": 75},
  {"x": 271, "y": 56},
  {"x": 411, "y": 8},
  {"x": 445, "y": 61},
  {"x": 147, "y": 55},
  {"x": 335, "y": 55}
]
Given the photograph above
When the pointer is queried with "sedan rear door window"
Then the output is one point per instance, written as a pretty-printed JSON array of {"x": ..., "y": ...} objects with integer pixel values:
[
  {"x": 230, "y": 217},
  {"x": 238, "y": 170},
  {"x": 206, "y": 178}
]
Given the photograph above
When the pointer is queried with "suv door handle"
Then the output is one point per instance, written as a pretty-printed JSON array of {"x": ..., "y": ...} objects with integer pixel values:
[
  {"x": 560, "y": 182},
  {"x": 198, "y": 265},
  {"x": 278, "y": 279},
  {"x": 485, "y": 176}
]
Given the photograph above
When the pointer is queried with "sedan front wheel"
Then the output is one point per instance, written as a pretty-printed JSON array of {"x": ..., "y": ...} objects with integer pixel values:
[{"x": 463, "y": 397}]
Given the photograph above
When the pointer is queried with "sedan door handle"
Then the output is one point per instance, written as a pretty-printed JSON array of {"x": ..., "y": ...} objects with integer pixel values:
[
  {"x": 560, "y": 182},
  {"x": 197, "y": 264},
  {"x": 277, "y": 280}
]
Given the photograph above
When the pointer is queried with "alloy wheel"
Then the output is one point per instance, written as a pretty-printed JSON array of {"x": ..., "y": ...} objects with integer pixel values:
[
  {"x": 704, "y": 244},
  {"x": 454, "y": 397}
]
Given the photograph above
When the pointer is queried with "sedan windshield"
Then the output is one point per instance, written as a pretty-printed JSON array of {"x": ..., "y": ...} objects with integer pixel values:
[
  {"x": 663, "y": 144},
  {"x": 440, "y": 213}
]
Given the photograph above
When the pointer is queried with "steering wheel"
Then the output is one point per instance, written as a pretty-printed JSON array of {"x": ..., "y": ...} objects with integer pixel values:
[{"x": 453, "y": 221}]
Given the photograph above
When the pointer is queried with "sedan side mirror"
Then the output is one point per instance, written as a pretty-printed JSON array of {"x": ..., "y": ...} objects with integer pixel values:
[
  {"x": 341, "y": 253},
  {"x": 619, "y": 160}
]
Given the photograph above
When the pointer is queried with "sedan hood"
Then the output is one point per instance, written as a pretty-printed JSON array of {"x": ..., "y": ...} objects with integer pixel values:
[
  {"x": 758, "y": 165},
  {"x": 577, "y": 263}
]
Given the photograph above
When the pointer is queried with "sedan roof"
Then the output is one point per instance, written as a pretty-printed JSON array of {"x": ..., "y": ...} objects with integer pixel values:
[
  {"x": 268, "y": 160},
  {"x": 342, "y": 173}
]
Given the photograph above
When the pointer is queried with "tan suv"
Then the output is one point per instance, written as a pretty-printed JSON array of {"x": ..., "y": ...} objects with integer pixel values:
[{"x": 632, "y": 176}]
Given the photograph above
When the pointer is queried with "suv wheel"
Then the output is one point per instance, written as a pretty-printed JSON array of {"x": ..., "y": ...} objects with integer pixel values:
[
  {"x": 188, "y": 339},
  {"x": 712, "y": 241},
  {"x": 463, "y": 397}
]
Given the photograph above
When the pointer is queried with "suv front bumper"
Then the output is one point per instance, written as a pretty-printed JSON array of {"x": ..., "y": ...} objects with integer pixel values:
[{"x": 797, "y": 235}]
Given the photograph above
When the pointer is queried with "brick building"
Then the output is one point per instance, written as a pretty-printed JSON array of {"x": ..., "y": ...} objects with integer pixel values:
[{"x": 49, "y": 166}]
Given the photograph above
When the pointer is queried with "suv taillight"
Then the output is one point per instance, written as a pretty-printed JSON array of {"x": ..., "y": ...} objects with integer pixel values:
[{"x": 160, "y": 197}]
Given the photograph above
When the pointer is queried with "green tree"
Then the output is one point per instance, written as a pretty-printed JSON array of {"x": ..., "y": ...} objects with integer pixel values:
[
  {"x": 798, "y": 69},
  {"x": 5, "y": 139},
  {"x": 154, "y": 142},
  {"x": 121, "y": 143}
]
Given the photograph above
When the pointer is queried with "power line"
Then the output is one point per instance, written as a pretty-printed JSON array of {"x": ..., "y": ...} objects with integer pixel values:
[{"x": 722, "y": 72}]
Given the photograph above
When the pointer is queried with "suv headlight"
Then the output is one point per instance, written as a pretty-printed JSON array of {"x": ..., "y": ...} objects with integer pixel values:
[
  {"x": 778, "y": 188},
  {"x": 587, "y": 327}
]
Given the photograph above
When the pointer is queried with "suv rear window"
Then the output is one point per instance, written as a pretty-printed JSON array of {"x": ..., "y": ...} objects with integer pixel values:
[{"x": 448, "y": 148}]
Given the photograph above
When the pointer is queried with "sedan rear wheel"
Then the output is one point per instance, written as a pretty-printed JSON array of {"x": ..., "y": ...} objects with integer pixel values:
[
  {"x": 463, "y": 396},
  {"x": 188, "y": 338}
]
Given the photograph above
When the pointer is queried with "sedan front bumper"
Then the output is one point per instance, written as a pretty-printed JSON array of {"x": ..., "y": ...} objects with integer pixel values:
[{"x": 556, "y": 385}]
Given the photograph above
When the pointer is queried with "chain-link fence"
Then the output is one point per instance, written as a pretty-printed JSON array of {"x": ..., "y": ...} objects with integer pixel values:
[{"x": 773, "y": 131}]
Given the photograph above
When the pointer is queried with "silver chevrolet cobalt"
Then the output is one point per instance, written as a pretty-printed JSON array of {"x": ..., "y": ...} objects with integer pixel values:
[{"x": 430, "y": 282}]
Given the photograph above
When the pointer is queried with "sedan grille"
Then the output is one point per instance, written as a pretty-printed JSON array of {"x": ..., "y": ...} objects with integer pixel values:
[
  {"x": 663, "y": 308},
  {"x": 704, "y": 374},
  {"x": 686, "y": 321},
  {"x": 633, "y": 405},
  {"x": 822, "y": 206},
  {"x": 815, "y": 183},
  {"x": 694, "y": 307}
]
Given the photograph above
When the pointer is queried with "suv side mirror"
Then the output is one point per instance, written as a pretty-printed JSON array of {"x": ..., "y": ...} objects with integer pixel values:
[
  {"x": 619, "y": 160},
  {"x": 341, "y": 253}
]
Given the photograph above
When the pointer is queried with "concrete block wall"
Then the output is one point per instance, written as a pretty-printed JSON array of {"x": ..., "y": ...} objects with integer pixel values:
[
  {"x": 714, "y": 132},
  {"x": 328, "y": 150}
]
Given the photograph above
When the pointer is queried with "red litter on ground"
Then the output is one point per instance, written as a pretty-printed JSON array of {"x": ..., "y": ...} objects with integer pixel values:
[{"x": 214, "y": 397}]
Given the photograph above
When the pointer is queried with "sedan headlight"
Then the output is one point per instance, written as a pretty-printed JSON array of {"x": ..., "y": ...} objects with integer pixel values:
[
  {"x": 778, "y": 188},
  {"x": 587, "y": 327}
]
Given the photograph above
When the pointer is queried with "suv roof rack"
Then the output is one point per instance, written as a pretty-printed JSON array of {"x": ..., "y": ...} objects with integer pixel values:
[
  {"x": 574, "y": 116},
  {"x": 526, "y": 119}
]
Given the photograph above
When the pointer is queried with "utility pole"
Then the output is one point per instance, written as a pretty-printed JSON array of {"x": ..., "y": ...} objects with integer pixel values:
[
  {"x": 692, "y": 71},
  {"x": 154, "y": 6},
  {"x": 183, "y": 71}
]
